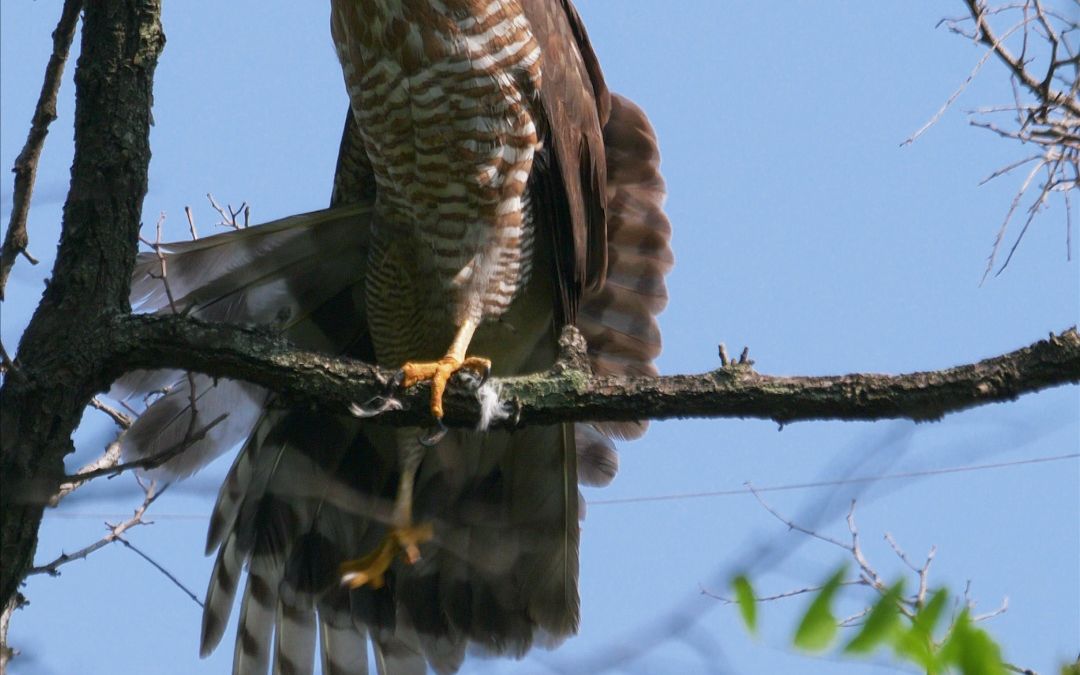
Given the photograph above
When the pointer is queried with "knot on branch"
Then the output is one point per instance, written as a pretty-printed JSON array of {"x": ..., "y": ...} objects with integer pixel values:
[
  {"x": 573, "y": 352},
  {"x": 730, "y": 368}
]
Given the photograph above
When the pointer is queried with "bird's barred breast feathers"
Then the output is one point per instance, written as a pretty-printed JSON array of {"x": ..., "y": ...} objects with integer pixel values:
[{"x": 443, "y": 92}]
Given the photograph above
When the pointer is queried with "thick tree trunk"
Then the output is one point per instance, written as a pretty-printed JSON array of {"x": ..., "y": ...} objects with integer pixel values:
[{"x": 62, "y": 354}]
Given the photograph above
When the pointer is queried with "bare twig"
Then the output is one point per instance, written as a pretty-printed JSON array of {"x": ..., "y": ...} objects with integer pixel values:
[
  {"x": 1002, "y": 608},
  {"x": 122, "y": 419},
  {"x": 7, "y": 652},
  {"x": 1018, "y": 66},
  {"x": 923, "y": 572},
  {"x": 52, "y": 568},
  {"x": 1041, "y": 115},
  {"x": 868, "y": 576},
  {"x": 854, "y": 619},
  {"x": 794, "y": 526},
  {"x": 955, "y": 95},
  {"x": 724, "y": 600},
  {"x": 171, "y": 577},
  {"x": 909, "y": 607},
  {"x": 153, "y": 461},
  {"x": 104, "y": 464},
  {"x": 228, "y": 213},
  {"x": 16, "y": 240},
  {"x": 191, "y": 223},
  {"x": 163, "y": 272}
]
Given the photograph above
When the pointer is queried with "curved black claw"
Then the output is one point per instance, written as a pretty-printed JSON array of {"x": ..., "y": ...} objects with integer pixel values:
[
  {"x": 434, "y": 435},
  {"x": 474, "y": 379},
  {"x": 484, "y": 375}
]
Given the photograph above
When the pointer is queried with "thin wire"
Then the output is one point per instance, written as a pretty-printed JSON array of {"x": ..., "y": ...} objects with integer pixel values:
[
  {"x": 832, "y": 483},
  {"x": 702, "y": 495}
]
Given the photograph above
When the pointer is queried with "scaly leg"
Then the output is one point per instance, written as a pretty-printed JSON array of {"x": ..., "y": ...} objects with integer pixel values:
[
  {"x": 439, "y": 372},
  {"x": 404, "y": 536}
]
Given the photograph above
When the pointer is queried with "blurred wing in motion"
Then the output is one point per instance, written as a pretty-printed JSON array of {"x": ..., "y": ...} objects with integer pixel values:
[{"x": 588, "y": 243}]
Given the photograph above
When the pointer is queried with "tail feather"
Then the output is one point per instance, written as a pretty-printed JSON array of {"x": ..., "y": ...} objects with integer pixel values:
[
  {"x": 251, "y": 653},
  {"x": 219, "y": 596},
  {"x": 393, "y": 656},
  {"x": 619, "y": 319},
  {"x": 597, "y": 461},
  {"x": 309, "y": 489},
  {"x": 343, "y": 646},
  {"x": 294, "y": 653}
]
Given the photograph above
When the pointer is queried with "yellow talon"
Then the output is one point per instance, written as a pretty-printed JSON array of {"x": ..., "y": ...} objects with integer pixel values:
[
  {"x": 371, "y": 569},
  {"x": 439, "y": 372}
]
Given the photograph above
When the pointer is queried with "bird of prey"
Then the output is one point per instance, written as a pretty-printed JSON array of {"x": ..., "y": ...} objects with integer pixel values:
[{"x": 489, "y": 191}]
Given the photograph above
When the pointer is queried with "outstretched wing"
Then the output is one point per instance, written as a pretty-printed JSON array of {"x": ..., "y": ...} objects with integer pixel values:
[{"x": 310, "y": 489}]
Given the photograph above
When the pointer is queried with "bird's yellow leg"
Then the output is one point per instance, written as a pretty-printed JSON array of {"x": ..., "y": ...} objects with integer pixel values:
[
  {"x": 404, "y": 536},
  {"x": 439, "y": 372}
]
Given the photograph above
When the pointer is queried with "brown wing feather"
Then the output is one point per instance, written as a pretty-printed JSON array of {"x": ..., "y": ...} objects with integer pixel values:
[
  {"x": 354, "y": 179},
  {"x": 619, "y": 320},
  {"x": 570, "y": 175}
]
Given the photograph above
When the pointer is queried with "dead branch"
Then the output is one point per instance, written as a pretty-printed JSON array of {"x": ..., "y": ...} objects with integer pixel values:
[
  {"x": 725, "y": 600},
  {"x": 122, "y": 419},
  {"x": 114, "y": 468},
  {"x": 7, "y": 652},
  {"x": 16, "y": 240},
  {"x": 160, "y": 568},
  {"x": 1041, "y": 114},
  {"x": 229, "y": 214},
  {"x": 1017, "y": 64},
  {"x": 105, "y": 464},
  {"x": 922, "y": 572},
  {"x": 52, "y": 568}
]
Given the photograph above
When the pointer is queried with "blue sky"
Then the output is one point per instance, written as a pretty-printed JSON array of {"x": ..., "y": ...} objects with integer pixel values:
[{"x": 801, "y": 229}]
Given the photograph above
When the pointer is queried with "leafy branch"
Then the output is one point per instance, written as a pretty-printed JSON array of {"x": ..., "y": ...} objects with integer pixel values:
[{"x": 908, "y": 624}]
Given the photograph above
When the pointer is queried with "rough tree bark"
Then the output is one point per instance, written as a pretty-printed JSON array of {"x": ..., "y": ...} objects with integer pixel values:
[
  {"x": 62, "y": 353},
  {"x": 82, "y": 335}
]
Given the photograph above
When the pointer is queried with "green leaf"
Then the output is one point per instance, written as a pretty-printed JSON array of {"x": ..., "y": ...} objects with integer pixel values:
[
  {"x": 818, "y": 627},
  {"x": 971, "y": 649},
  {"x": 880, "y": 624},
  {"x": 927, "y": 617},
  {"x": 744, "y": 595},
  {"x": 917, "y": 643}
]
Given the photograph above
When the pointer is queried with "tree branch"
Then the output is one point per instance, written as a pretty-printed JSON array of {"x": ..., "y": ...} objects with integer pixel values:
[
  {"x": 16, "y": 240},
  {"x": 1041, "y": 89},
  {"x": 60, "y": 353},
  {"x": 115, "y": 532},
  {"x": 568, "y": 392}
]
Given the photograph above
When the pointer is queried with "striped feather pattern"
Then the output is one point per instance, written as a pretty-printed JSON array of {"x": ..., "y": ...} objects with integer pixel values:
[
  {"x": 343, "y": 645},
  {"x": 451, "y": 108},
  {"x": 420, "y": 73},
  {"x": 619, "y": 320},
  {"x": 282, "y": 275}
]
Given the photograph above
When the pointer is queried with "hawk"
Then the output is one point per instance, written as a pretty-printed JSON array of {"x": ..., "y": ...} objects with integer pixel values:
[{"x": 489, "y": 191}]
